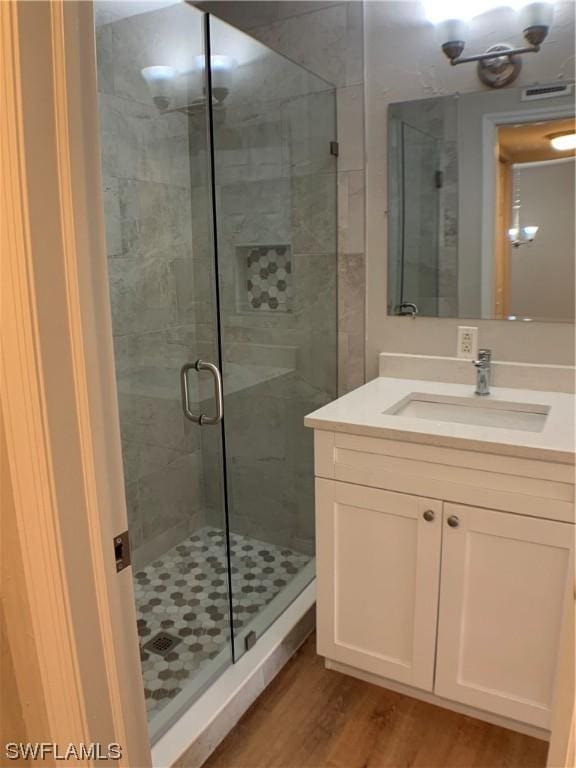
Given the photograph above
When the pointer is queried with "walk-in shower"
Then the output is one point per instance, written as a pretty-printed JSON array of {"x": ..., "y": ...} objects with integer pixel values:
[{"x": 220, "y": 203}]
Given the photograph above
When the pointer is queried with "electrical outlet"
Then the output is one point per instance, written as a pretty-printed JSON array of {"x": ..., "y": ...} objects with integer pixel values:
[{"x": 467, "y": 342}]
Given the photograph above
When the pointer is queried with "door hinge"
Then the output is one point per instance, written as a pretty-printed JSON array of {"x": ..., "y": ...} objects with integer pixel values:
[
  {"x": 122, "y": 551},
  {"x": 250, "y": 640},
  {"x": 439, "y": 179},
  {"x": 334, "y": 148}
]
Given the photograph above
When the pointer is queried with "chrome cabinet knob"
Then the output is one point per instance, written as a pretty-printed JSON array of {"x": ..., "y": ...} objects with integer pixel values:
[
  {"x": 428, "y": 515},
  {"x": 453, "y": 521}
]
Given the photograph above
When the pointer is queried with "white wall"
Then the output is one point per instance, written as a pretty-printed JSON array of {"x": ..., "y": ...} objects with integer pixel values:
[
  {"x": 403, "y": 61},
  {"x": 542, "y": 273}
]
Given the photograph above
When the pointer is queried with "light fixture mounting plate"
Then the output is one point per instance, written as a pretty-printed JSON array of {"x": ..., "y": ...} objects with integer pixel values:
[{"x": 500, "y": 70}]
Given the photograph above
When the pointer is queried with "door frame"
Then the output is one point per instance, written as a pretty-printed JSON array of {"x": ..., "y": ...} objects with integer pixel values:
[
  {"x": 490, "y": 123},
  {"x": 58, "y": 383}
]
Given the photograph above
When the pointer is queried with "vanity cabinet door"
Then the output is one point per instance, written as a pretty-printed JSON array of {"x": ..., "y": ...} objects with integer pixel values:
[
  {"x": 378, "y": 566},
  {"x": 505, "y": 581}
]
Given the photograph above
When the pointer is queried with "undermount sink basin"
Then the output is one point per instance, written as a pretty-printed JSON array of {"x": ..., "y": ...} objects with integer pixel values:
[{"x": 474, "y": 410}]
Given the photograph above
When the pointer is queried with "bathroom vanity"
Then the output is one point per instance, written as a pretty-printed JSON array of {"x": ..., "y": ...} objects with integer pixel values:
[{"x": 445, "y": 538}]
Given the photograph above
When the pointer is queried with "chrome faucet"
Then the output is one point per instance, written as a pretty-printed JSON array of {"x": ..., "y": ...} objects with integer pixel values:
[
  {"x": 408, "y": 308},
  {"x": 482, "y": 366}
]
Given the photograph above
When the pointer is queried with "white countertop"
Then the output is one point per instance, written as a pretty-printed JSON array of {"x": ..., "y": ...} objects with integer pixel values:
[{"x": 362, "y": 412}]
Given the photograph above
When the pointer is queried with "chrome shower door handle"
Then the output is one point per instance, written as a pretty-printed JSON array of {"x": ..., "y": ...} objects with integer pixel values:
[
  {"x": 197, "y": 418},
  {"x": 218, "y": 392},
  {"x": 202, "y": 418}
]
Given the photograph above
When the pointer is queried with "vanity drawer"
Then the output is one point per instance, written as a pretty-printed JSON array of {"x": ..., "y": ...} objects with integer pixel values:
[{"x": 523, "y": 486}]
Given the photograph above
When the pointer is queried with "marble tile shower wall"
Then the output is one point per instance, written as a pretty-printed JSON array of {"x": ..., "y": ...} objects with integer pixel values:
[
  {"x": 328, "y": 39},
  {"x": 275, "y": 186},
  {"x": 152, "y": 268}
]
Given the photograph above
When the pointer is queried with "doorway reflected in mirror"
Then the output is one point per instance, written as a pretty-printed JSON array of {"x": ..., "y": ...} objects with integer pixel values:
[
  {"x": 534, "y": 250},
  {"x": 481, "y": 205}
]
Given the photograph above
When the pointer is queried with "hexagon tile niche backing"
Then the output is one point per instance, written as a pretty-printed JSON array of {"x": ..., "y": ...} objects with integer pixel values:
[{"x": 268, "y": 276}]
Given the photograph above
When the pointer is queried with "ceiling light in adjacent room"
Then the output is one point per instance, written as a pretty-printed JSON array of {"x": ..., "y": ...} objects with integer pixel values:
[
  {"x": 519, "y": 235},
  {"x": 563, "y": 141}
]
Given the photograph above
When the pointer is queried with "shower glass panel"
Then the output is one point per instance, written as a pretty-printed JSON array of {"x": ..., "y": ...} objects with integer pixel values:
[
  {"x": 275, "y": 199},
  {"x": 220, "y": 210},
  {"x": 421, "y": 179},
  {"x": 155, "y": 163}
]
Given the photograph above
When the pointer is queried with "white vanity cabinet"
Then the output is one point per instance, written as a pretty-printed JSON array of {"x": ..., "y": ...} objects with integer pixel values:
[
  {"x": 378, "y": 564},
  {"x": 439, "y": 571},
  {"x": 504, "y": 582}
]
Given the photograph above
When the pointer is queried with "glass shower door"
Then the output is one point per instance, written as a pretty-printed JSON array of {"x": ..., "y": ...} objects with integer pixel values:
[
  {"x": 421, "y": 184},
  {"x": 275, "y": 201},
  {"x": 220, "y": 209},
  {"x": 155, "y": 162}
]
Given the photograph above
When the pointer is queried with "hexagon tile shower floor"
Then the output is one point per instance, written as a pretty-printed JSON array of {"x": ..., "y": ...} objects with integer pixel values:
[{"x": 182, "y": 603}]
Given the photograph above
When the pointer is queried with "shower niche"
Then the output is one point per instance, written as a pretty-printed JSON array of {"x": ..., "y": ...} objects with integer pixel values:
[{"x": 264, "y": 278}]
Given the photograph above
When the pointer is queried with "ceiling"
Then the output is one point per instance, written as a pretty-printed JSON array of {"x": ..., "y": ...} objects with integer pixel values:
[
  {"x": 529, "y": 142},
  {"x": 107, "y": 11}
]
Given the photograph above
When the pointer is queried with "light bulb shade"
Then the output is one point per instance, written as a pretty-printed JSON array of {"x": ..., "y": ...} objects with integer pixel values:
[
  {"x": 529, "y": 232},
  {"x": 155, "y": 76},
  {"x": 221, "y": 63},
  {"x": 221, "y": 70},
  {"x": 563, "y": 141},
  {"x": 451, "y": 31},
  {"x": 218, "y": 61},
  {"x": 513, "y": 233},
  {"x": 160, "y": 82},
  {"x": 538, "y": 14}
]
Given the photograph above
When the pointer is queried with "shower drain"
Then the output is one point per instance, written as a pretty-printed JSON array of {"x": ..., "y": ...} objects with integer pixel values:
[{"x": 162, "y": 643}]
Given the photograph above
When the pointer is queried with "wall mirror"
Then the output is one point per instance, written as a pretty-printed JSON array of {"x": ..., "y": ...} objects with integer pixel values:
[{"x": 481, "y": 205}]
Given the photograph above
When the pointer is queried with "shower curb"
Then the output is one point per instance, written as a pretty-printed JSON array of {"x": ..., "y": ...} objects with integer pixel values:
[{"x": 276, "y": 647}]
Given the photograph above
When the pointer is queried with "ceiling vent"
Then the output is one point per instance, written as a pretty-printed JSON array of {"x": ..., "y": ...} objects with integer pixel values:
[{"x": 553, "y": 91}]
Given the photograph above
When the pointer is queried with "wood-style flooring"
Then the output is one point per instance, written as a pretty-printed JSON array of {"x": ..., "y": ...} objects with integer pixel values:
[{"x": 310, "y": 717}]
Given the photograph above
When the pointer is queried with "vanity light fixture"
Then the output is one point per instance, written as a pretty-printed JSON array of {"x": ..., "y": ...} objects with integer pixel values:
[
  {"x": 516, "y": 234},
  {"x": 165, "y": 83},
  {"x": 500, "y": 64},
  {"x": 563, "y": 141}
]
